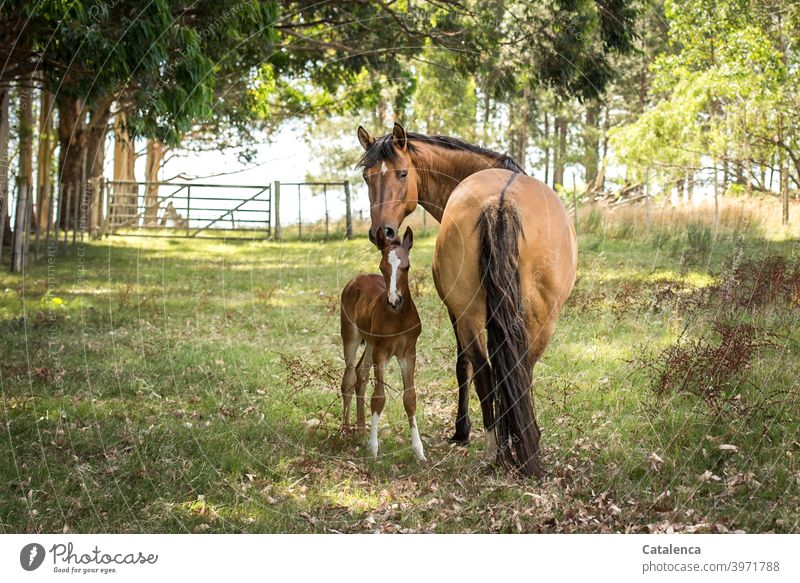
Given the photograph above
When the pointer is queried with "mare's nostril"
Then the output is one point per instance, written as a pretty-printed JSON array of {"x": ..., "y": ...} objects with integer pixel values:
[
  {"x": 389, "y": 232},
  {"x": 371, "y": 236}
]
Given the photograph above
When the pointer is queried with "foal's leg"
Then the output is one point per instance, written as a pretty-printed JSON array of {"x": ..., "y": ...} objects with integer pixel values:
[
  {"x": 378, "y": 401},
  {"x": 463, "y": 374},
  {"x": 407, "y": 364},
  {"x": 363, "y": 370},
  {"x": 351, "y": 339}
]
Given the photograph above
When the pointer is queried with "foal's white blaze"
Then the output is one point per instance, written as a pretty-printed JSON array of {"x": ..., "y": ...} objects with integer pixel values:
[
  {"x": 490, "y": 453},
  {"x": 394, "y": 261},
  {"x": 384, "y": 168},
  {"x": 373, "y": 435},
  {"x": 416, "y": 442}
]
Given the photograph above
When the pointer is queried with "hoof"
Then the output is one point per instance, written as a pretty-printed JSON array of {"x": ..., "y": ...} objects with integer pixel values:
[
  {"x": 461, "y": 436},
  {"x": 459, "y": 439}
]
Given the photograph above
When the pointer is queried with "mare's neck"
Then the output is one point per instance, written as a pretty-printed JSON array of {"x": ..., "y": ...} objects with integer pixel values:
[{"x": 441, "y": 170}]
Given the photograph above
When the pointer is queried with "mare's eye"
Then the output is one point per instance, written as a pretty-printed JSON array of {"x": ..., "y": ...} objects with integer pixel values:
[{"x": 403, "y": 174}]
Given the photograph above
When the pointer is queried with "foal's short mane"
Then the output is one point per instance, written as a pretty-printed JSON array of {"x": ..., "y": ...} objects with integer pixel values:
[{"x": 383, "y": 149}]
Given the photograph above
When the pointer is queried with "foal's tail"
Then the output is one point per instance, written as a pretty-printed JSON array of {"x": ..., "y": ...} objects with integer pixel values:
[{"x": 515, "y": 426}]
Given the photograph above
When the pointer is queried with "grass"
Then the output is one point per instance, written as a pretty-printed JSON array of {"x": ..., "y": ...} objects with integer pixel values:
[{"x": 160, "y": 385}]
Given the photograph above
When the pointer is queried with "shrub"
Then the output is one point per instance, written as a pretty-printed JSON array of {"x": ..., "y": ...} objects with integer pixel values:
[{"x": 711, "y": 369}]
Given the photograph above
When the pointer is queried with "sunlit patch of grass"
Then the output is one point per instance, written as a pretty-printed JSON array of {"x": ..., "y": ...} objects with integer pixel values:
[{"x": 162, "y": 378}]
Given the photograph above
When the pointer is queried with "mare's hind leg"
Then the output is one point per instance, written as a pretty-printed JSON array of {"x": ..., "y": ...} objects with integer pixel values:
[
  {"x": 471, "y": 336},
  {"x": 362, "y": 370},
  {"x": 463, "y": 374},
  {"x": 351, "y": 339}
]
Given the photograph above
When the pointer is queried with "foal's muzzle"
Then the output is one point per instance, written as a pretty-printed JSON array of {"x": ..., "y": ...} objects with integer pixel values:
[{"x": 397, "y": 303}]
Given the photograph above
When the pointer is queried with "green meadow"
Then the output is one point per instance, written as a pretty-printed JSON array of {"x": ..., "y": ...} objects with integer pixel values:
[{"x": 179, "y": 385}]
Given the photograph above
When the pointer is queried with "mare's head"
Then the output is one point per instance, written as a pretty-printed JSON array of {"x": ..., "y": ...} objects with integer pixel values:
[
  {"x": 392, "y": 180},
  {"x": 395, "y": 266}
]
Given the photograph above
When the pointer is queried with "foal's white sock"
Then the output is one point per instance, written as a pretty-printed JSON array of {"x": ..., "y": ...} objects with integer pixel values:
[
  {"x": 416, "y": 442},
  {"x": 373, "y": 435}
]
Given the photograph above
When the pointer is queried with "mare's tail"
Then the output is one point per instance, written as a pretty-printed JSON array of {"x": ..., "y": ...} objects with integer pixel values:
[{"x": 515, "y": 425}]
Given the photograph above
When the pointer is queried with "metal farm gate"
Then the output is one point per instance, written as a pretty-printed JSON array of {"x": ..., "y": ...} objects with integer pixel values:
[{"x": 187, "y": 209}]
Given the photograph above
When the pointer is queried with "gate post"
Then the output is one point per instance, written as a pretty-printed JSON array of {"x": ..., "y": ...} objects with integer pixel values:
[
  {"x": 348, "y": 212},
  {"x": 277, "y": 193}
]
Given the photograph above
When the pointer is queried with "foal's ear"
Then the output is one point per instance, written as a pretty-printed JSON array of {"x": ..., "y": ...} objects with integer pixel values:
[
  {"x": 399, "y": 136},
  {"x": 364, "y": 138},
  {"x": 380, "y": 239},
  {"x": 408, "y": 239}
]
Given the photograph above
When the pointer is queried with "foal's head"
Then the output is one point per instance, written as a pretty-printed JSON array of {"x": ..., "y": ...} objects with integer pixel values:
[
  {"x": 395, "y": 266},
  {"x": 392, "y": 180}
]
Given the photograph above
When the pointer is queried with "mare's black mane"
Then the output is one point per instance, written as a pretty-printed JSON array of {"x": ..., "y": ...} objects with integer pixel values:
[{"x": 383, "y": 149}]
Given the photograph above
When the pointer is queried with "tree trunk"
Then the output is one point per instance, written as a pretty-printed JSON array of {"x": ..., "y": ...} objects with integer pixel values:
[
  {"x": 522, "y": 133},
  {"x": 123, "y": 203},
  {"x": 560, "y": 151},
  {"x": 25, "y": 179},
  {"x": 5, "y": 94},
  {"x": 44, "y": 160},
  {"x": 546, "y": 148},
  {"x": 96, "y": 156},
  {"x": 155, "y": 155},
  {"x": 71, "y": 140},
  {"x": 591, "y": 141},
  {"x": 487, "y": 115}
]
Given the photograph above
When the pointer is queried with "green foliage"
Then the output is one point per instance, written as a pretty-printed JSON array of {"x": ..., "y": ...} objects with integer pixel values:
[{"x": 721, "y": 92}]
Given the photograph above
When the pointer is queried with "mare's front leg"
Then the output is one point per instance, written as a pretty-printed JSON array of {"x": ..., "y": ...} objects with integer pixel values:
[
  {"x": 378, "y": 400},
  {"x": 407, "y": 364},
  {"x": 463, "y": 374}
]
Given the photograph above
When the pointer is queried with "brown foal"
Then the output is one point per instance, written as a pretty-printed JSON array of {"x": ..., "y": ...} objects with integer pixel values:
[{"x": 378, "y": 310}]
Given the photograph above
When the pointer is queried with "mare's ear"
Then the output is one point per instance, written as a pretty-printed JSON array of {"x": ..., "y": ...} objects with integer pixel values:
[
  {"x": 364, "y": 138},
  {"x": 399, "y": 136},
  {"x": 408, "y": 239},
  {"x": 380, "y": 239}
]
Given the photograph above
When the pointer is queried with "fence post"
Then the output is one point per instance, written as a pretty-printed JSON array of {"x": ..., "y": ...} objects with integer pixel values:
[
  {"x": 278, "y": 229},
  {"x": 19, "y": 231},
  {"x": 348, "y": 215},
  {"x": 49, "y": 224},
  {"x": 36, "y": 225},
  {"x": 299, "y": 216},
  {"x": 28, "y": 223},
  {"x": 325, "y": 196},
  {"x": 4, "y": 200},
  {"x": 67, "y": 215},
  {"x": 76, "y": 209},
  {"x": 575, "y": 204}
]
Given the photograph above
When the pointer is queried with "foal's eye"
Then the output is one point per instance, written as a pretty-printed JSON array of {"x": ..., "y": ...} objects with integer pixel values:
[{"x": 403, "y": 174}]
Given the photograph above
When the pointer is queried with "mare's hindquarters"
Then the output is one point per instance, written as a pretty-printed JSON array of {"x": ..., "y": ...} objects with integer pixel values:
[{"x": 518, "y": 257}]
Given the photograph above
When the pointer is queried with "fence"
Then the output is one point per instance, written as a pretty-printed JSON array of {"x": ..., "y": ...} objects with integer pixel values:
[
  {"x": 293, "y": 189},
  {"x": 193, "y": 210},
  {"x": 169, "y": 209},
  {"x": 186, "y": 209}
]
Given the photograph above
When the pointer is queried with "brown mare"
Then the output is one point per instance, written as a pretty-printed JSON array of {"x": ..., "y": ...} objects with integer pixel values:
[
  {"x": 378, "y": 310},
  {"x": 505, "y": 243}
]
